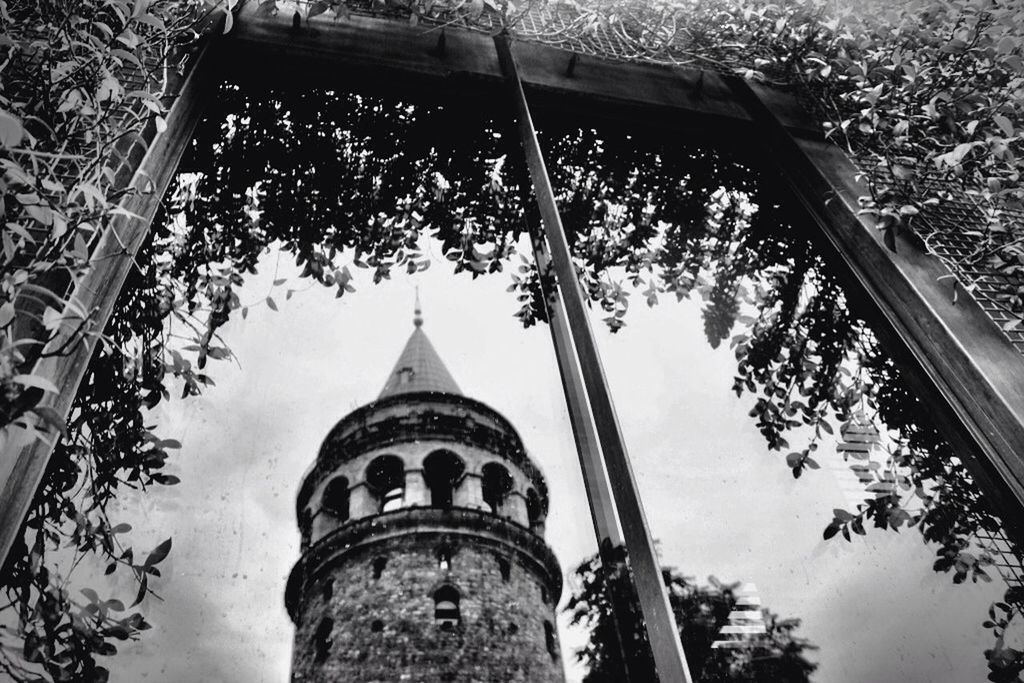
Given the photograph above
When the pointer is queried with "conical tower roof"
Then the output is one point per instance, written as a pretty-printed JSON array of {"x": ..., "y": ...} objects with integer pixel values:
[{"x": 419, "y": 368}]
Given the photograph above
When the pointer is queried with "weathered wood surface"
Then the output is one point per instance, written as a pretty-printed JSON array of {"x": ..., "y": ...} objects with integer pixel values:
[
  {"x": 396, "y": 57},
  {"x": 26, "y": 456}
]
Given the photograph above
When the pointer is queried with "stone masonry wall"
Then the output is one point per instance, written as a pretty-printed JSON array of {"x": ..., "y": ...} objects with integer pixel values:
[{"x": 384, "y": 628}]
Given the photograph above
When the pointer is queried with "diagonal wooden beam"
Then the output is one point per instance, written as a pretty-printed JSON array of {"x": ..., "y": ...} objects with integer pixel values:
[
  {"x": 660, "y": 623},
  {"x": 588, "y": 450},
  {"x": 26, "y": 455},
  {"x": 581, "y": 417}
]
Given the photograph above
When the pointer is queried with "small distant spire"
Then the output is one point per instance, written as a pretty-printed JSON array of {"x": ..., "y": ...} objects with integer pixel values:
[{"x": 417, "y": 319}]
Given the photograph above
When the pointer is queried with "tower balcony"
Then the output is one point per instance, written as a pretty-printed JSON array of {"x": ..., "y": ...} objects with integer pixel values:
[
  {"x": 422, "y": 449},
  {"x": 440, "y": 530}
]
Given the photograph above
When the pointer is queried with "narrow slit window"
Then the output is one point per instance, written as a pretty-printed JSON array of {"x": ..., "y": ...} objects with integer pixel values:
[
  {"x": 306, "y": 525},
  {"x": 549, "y": 640},
  {"x": 534, "y": 510},
  {"x": 444, "y": 558},
  {"x": 322, "y": 639},
  {"x": 378, "y": 566}
]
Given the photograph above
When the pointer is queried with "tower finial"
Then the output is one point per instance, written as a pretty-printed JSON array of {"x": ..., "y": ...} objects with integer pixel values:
[{"x": 417, "y": 319}]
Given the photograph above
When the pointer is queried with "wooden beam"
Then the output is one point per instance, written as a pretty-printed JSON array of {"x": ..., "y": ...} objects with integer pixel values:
[
  {"x": 581, "y": 417},
  {"x": 600, "y": 498},
  {"x": 26, "y": 455},
  {"x": 967, "y": 370},
  {"x": 660, "y": 623},
  {"x": 394, "y": 57}
]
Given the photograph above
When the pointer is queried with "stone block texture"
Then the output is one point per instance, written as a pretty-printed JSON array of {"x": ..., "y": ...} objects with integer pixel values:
[{"x": 384, "y": 628}]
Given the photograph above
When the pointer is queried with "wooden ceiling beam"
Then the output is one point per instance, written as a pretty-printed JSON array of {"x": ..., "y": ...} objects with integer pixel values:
[{"x": 398, "y": 58}]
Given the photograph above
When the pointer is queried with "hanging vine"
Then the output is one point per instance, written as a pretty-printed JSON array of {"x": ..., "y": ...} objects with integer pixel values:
[{"x": 928, "y": 95}]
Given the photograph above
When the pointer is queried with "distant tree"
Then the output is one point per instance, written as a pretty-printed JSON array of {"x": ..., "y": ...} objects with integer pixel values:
[{"x": 777, "y": 656}]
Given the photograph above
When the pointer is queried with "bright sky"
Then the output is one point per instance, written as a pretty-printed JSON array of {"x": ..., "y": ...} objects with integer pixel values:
[{"x": 717, "y": 500}]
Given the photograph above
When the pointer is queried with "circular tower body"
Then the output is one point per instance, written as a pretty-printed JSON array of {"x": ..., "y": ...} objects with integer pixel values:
[{"x": 423, "y": 556}]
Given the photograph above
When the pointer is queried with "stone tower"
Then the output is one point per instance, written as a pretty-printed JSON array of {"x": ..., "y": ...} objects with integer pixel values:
[{"x": 423, "y": 556}]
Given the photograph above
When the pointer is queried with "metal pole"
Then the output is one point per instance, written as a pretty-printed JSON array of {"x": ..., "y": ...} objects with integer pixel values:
[{"x": 669, "y": 658}]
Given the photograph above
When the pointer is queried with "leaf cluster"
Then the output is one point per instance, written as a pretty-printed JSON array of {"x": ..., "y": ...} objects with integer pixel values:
[
  {"x": 603, "y": 602},
  {"x": 81, "y": 84},
  {"x": 928, "y": 95}
]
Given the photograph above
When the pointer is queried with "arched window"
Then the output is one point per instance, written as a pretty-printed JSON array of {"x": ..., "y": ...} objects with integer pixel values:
[
  {"x": 497, "y": 485},
  {"x": 446, "y": 607},
  {"x": 549, "y": 639},
  {"x": 386, "y": 478},
  {"x": 441, "y": 471},
  {"x": 534, "y": 509},
  {"x": 336, "y": 498},
  {"x": 322, "y": 639}
]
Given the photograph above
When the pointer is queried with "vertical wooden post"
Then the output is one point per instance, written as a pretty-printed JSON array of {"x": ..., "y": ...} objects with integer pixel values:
[
  {"x": 25, "y": 455},
  {"x": 669, "y": 658}
]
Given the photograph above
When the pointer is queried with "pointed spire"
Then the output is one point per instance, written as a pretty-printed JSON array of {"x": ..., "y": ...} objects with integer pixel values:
[
  {"x": 419, "y": 368},
  {"x": 417, "y": 318}
]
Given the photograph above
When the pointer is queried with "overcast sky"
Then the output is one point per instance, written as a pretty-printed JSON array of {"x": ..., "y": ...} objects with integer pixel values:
[{"x": 717, "y": 500}]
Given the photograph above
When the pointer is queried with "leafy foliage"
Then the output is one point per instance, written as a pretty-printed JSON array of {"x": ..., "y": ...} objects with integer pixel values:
[
  {"x": 1005, "y": 663},
  {"x": 643, "y": 218},
  {"x": 927, "y": 94},
  {"x": 327, "y": 178},
  {"x": 777, "y": 656},
  {"x": 81, "y": 82}
]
